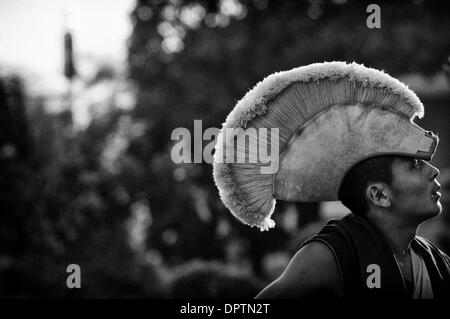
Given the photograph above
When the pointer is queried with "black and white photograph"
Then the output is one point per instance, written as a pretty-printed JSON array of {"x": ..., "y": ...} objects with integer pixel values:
[{"x": 198, "y": 151}]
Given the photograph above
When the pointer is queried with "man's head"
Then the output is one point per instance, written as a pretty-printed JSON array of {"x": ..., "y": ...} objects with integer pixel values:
[{"x": 404, "y": 185}]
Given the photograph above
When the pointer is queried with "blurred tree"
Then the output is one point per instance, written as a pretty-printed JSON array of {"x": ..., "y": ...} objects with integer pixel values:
[
  {"x": 15, "y": 159},
  {"x": 60, "y": 205}
]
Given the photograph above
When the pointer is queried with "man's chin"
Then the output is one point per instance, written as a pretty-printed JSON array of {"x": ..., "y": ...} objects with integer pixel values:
[
  {"x": 439, "y": 207},
  {"x": 437, "y": 210}
]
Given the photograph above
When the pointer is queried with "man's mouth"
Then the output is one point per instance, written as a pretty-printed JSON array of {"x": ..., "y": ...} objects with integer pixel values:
[{"x": 435, "y": 194}]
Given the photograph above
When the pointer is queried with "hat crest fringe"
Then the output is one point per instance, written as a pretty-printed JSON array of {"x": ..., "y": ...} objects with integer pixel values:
[{"x": 252, "y": 104}]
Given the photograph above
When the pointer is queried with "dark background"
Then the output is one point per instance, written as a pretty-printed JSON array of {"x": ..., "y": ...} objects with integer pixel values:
[{"x": 109, "y": 198}]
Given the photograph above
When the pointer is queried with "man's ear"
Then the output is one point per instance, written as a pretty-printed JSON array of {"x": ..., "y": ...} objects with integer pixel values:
[{"x": 379, "y": 194}]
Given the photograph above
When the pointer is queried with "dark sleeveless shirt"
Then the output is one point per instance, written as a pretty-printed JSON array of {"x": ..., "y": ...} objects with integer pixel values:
[{"x": 357, "y": 244}]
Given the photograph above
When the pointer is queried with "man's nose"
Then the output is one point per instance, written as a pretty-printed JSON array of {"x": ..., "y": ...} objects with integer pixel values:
[{"x": 434, "y": 172}]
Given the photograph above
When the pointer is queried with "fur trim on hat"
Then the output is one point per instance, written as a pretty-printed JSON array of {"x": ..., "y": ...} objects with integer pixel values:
[{"x": 253, "y": 103}]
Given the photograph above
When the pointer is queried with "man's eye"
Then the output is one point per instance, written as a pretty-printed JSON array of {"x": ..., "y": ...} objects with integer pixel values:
[{"x": 417, "y": 163}]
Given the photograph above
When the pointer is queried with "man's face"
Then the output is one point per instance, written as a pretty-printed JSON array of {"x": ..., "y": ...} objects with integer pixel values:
[{"x": 415, "y": 188}]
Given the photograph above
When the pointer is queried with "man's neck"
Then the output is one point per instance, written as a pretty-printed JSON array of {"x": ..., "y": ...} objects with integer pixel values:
[{"x": 398, "y": 232}]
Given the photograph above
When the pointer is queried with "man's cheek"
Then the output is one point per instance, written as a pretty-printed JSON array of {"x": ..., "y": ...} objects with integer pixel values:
[{"x": 413, "y": 188}]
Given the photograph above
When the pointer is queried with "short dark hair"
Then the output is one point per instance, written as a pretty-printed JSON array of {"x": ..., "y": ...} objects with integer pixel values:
[{"x": 353, "y": 187}]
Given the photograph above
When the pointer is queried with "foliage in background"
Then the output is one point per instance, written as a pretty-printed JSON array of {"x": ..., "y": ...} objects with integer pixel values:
[{"x": 108, "y": 196}]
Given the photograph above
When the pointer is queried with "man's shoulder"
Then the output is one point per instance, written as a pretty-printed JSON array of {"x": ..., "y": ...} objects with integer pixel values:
[
  {"x": 314, "y": 252},
  {"x": 335, "y": 236},
  {"x": 313, "y": 271},
  {"x": 316, "y": 264}
]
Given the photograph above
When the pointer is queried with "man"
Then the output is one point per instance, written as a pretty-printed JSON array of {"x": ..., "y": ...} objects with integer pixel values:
[
  {"x": 392, "y": 195},
  {"x": 344, "y": 132}
]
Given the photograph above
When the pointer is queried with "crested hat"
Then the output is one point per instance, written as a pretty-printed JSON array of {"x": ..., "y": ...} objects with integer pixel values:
[{"x": 321, "y": 120}]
